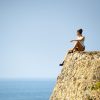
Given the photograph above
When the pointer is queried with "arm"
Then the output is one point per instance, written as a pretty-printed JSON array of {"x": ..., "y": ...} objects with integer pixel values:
[{"x": 77, "y": 39}]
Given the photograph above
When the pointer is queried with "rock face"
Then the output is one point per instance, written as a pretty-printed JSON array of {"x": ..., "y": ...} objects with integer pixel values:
[{"x": 79, "y": 78}]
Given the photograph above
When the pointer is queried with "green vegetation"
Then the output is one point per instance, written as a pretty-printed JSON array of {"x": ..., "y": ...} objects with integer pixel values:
[{"x": 95, "y": 86}]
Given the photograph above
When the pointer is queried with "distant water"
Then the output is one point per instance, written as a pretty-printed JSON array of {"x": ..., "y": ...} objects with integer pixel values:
[{"x": 26, "y": 89}]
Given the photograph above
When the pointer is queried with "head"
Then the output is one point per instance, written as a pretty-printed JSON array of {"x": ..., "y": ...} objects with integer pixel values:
[{"x": 79, "y": 32}]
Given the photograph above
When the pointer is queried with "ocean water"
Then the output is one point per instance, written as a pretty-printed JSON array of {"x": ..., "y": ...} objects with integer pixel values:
[{"x": 26, "y": 89}]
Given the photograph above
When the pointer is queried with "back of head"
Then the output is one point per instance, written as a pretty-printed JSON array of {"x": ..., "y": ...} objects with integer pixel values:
[{"x": 80, "y": 31}]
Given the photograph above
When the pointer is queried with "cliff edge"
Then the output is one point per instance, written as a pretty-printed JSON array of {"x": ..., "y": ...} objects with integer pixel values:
[{"x": 79, "y": 78}]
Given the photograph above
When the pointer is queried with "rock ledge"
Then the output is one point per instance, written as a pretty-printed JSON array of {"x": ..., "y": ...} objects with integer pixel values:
[{"x": 79, "y": 78}]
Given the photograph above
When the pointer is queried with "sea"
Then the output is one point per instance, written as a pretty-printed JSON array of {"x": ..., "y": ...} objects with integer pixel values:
[{"x": 26, "y": 89}]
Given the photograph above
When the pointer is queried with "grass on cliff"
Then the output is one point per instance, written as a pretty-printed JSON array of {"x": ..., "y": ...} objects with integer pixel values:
[{"x": 96, "y": 86}]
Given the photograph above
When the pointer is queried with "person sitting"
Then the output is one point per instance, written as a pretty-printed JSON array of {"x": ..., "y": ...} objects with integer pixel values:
[{"x": 79, "y": 44}]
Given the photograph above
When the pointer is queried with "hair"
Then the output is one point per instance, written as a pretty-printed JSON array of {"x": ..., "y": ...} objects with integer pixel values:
[{"x": 80, "y": 31}]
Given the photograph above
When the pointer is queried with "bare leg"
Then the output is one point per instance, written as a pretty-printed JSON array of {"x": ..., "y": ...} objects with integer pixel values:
[
  {"x": 78, "y": 47},
  {"x": 61, "y": 64}
]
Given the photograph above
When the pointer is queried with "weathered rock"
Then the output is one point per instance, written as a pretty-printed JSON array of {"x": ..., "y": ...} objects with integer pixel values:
[{"x": 79, "y": 78}]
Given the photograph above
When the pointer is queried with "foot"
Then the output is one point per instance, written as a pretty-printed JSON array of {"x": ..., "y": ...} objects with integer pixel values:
[
  {"x": 61, "y": 64},
  {"x": 70, "y": 51}
]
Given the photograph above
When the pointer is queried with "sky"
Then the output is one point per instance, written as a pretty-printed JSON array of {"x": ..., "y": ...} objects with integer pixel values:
[{"x": 35, "y": 35}]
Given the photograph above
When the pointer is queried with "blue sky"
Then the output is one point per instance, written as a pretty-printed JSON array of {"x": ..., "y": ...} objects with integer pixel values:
[{"x": 35, "y": 34}]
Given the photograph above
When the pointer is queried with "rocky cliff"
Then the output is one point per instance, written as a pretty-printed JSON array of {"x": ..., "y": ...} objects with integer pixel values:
[{"x": 79, "y": 78}]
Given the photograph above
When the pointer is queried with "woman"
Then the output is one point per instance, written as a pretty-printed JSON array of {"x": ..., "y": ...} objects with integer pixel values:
[{"x": 79, "y": 44}]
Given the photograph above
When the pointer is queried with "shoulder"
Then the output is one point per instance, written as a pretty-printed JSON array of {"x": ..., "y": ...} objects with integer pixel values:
[{"x": 83, "y": 37}]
